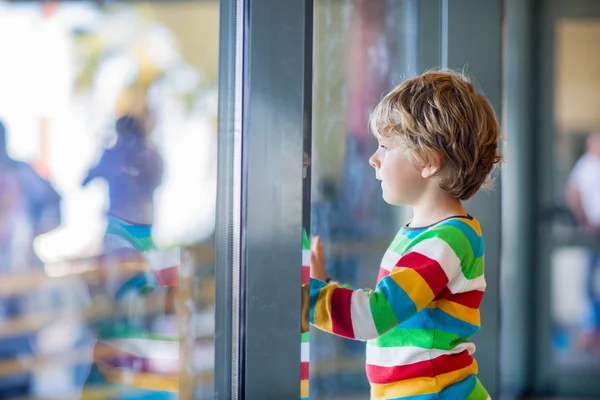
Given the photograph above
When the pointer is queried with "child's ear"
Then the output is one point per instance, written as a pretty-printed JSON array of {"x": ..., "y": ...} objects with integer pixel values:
[{"x": 433, "y": 168}]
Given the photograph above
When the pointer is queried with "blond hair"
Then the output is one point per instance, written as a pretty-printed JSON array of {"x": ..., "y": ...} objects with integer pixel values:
[{"x": 440, "y": 113}]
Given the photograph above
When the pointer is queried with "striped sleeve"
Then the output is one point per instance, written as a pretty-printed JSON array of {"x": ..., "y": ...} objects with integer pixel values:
[{"x": 418, "y": 277}]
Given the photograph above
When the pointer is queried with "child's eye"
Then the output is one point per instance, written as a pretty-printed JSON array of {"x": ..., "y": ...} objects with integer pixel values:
[{"x": 383, "y": 147}]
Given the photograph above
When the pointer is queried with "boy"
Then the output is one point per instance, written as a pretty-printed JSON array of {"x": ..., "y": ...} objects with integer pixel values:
[{"x": 438, "y": 144}]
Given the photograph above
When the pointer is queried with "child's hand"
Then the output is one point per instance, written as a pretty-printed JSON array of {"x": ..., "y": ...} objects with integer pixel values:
[{"x": 317, "y": 260}]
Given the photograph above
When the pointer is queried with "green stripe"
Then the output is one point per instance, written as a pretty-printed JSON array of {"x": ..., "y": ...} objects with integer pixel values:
[
  {"x": 305, "y": 240},
  {"x": 119, "y": 331},
  {"x": 477, "y": 269},
  {"x": 479, "y": 393},
  {"x": 457, "y": 241},
  {"x": 305, "y": 337},
  {"x": 425, "y": 338},
  {"x": 399, "y": 243},
  {"x": 382, "y": 313},
  {"x": 140, "y": 243}
]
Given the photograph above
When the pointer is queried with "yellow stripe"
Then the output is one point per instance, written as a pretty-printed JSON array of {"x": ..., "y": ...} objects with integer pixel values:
[
  {"x": 140, "y": 380},
  {"x": 473, "y": 223},
  {"x": 449, "y": 378},
  {"x": 409, "y": 387},
  {"x": 417, "y": 386},
  {"x": 413, "y": 284},
  {"x": 304, "y": 389},
  {"x": 464, "y": 313},
  {"x": 322, "y": 315}
]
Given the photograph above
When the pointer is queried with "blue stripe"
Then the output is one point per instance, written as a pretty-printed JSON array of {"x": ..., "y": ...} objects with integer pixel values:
[
  {"x": 403, "y": 305},
  {"x": 436, "y": 319},
  {"x": 315, "y": 287},
  {"x": 474, "y": 239},
  {"x": 460, "y": 390},
  {"x": 138, "y": 231},
  {"x": 430, "y": 396},
  {"x": 412, "y": 233}
]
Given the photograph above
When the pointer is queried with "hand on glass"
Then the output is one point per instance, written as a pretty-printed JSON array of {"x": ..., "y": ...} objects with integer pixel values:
[{"x": 317, "y": 260}]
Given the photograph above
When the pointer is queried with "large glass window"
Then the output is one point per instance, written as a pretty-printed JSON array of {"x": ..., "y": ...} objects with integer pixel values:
[
  {"x": 107, "y": 199},
  {"x": 361, "y": 50},
  {"x": 575, "y": 289}
]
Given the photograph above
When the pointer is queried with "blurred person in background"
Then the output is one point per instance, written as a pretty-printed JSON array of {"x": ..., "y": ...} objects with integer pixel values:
[
  {"x": 29, "y": 206},
  {"x": 583, "y": 199}
]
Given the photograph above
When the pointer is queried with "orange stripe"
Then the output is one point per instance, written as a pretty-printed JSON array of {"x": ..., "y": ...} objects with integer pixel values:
[
  {"x": 304, "y": 389},
  {"x": 473, "y": 224},
  {"x": 322, "y": 313},
  {"x": 417, "y": 386},
  {"x": 445, "y": 380},
  {"x": 470, "y": 315},
  {"x": 413, "y": 284}
]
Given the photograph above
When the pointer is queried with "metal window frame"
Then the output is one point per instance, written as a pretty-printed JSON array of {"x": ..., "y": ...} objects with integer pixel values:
[
  {"x": 265, "y": 111},
  {"x": 475, "y": 47}
]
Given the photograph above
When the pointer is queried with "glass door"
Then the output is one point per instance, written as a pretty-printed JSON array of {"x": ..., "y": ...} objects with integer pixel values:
[
  {"x": 568, "y": 346},
  {"x": 108, "y": 181}
]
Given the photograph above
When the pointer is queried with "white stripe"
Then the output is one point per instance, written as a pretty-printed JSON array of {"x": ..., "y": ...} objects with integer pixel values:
[
  {"x": 147, "y": 348},
  {"x": 437, "y": 249},
  {"x": 362, "y": 319},
  {"x": 304, "y": 352},
  {"x": 113, "y": 242},
  {"x": 440, "y": 251},
  {"x": 162, "y": 259},
  {"x": 461, "y": 284},
  {"x": 306, "y": 258},
  {"x": 389, "y": 260},
  {"x": 478, "y": 283},
  {"x": 399, "y": 356}
]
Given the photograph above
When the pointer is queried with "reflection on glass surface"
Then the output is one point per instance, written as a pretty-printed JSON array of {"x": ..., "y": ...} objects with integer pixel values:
[
  {"x": 107, "y": 199},
  {"x": 361, "y": 48},
  {"x": 575, "y": 290}
]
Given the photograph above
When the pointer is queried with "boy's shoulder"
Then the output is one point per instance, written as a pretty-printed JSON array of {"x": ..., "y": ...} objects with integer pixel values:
[{"x": 455, "y": 232}]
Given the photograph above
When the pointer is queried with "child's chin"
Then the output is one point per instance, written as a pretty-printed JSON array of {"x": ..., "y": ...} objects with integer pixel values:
[{"x": 391, "y": 200}]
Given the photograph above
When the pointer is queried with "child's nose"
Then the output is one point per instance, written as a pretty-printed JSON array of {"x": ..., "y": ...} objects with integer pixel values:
[{"x": 373, "y": 161}]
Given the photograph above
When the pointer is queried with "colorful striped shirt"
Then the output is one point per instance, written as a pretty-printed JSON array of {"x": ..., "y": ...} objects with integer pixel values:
[
  {"x": 138, "y": 350},
  {"x": 419, "y": 319},
  {"x": 305, "y": 345}
]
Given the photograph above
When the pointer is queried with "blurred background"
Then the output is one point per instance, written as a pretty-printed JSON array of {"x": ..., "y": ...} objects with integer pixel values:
[{"x": 108, "y": 188}]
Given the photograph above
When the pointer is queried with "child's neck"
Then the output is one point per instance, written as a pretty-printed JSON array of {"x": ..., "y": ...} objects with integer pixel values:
[{"x": 432, "y": 210}]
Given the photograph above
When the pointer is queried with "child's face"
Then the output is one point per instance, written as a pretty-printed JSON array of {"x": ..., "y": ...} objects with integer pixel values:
[
  {"x": 305, "y": 165},
  {"x": 401, "y": 182}
]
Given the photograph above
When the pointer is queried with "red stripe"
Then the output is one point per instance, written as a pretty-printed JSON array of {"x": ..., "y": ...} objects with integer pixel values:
[
  {"x": 305, "y": 274},
  {"x": 470, "y": 299},
  {"x": 453, "y": 362},
  {"x": 304, "y": 371},
  {"x": 167, "y": 276},
  {"x": 382, "y": 375},
  {"x": 421, "y": 369},
  {"x": 445, "y": 293},
  {"x": 429, "y": 269},
  {"x": 382, "y": 274},
  {"x": 341, "y": 317}
]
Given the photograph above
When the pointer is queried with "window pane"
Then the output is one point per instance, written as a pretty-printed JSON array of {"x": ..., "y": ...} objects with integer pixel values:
[
  {"x": 107, "y": 199},
  {"x": 573, "y": 258},
  {"x": 361, "y": 49}
]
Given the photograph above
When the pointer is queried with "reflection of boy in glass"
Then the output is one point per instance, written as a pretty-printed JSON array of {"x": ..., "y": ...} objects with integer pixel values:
[
  {"x": 132, "y": 170},
  {"x": 137, "y": 351},
  {"x": 438, "y": 144},
  {"x": 583, "y": 198},
  {"x": 305, "y": 346}
]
